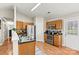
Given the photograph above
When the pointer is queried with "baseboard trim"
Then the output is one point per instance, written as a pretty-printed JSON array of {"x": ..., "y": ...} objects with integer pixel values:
[{"x": 40, "y": 41}]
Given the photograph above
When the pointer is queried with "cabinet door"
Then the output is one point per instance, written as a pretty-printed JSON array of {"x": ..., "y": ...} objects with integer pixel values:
[
  {"x": 47, "y": 25},
  {"x": 23, "y": 49},
  {"x": 19, "y": 24},
  {"x": 58, "y": 40},
  {"x": 31, "y": 48},
  {"x": 45, "y": 37},
  {"x": 27, "y": 48},
  {"x": 59, "y": 24},
  {"x": 0, "y": 24},
  {"x": 24, "y": 25}
]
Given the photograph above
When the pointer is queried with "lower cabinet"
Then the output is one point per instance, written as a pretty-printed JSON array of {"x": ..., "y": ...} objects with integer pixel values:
[
  {"x": 45, "y": 37},
  {"x": 27, "y": 48},
  {"x": 58, "y": 40}
]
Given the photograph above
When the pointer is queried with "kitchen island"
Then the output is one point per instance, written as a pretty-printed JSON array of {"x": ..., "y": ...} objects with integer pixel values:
[{"x": 27, "y": 48}]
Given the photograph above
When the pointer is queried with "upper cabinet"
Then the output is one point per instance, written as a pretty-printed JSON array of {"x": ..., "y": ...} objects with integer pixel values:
[
  {"x": 57, "y": 24},
  {"x": 19, "y": 25},
  {"x": 22, "y": 25}
]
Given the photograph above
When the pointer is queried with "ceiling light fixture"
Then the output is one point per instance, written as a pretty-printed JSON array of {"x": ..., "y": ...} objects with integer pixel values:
[{"x": 35, "y": 6}]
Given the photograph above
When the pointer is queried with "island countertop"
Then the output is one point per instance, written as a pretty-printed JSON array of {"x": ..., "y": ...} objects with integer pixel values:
[{"x": 26, "y": 42}]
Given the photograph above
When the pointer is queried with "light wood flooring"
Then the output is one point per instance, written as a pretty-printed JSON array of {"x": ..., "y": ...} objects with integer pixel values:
[
  {"x": 6, "y": 48},
  {"x": 52, "y": 50},
  {"x": 47, "y": 49}
]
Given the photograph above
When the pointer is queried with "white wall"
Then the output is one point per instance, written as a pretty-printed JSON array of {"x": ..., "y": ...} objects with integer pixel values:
[
  {"x": 15, "y": 37},
  {"x": 4, "y": 33},
  {"x": 39, "y": 23},
  {"x": 0, "y": 38},
  {"x": 44, "y": 25},
  {"x": 71, "y": 41},
  {"x": 6, "y": 13},
  {"x": 22, "y": 17},
  {"x": 9, "y": 15}
]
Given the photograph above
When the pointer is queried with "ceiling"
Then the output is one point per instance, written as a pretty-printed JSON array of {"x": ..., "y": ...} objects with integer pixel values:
[{"x": 55, "y": 9}]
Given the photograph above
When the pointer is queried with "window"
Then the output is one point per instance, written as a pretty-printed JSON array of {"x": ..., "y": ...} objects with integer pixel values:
[{"x": 73, "y": 27}]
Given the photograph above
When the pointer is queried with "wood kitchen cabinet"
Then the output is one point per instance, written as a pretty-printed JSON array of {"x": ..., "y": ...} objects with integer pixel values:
[
  {"x": 23, "y": 49},
  {"x": 45, "y": 37},
  {"x": 24, "y": 25},
  {"x": 19, "y": 24},
  {"x": 56, "y": 23},
  {"x": 31, "y": 48},
  {"x": 58, "y": 40},
  {"x": 49, "y": 24},
  {"x": 27, "y": 48}
]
